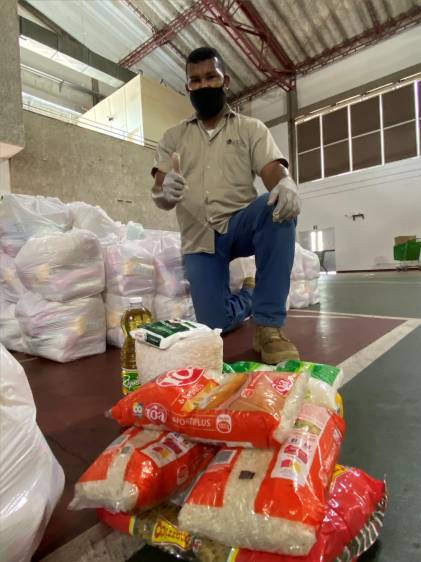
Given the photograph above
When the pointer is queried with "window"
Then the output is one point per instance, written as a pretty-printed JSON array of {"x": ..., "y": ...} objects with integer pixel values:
[{"x": 369, "y": 132}]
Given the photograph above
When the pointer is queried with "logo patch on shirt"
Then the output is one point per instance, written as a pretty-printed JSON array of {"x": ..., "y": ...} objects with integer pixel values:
[{"x": 235, "y": 142}]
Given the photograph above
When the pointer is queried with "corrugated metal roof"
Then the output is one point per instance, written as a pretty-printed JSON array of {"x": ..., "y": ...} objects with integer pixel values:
[{"x": 305, "y": 29}]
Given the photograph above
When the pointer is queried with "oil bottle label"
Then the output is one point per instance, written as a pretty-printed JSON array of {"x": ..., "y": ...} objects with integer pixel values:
[{"x": 130, "y": 380}]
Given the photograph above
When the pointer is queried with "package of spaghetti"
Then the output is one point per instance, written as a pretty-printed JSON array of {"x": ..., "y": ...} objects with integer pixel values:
[
  {"x": 159, "y": 528},
  {"x": 324, "y": 381},
  {"x": 139, "y": 470},
  {"x": 269, "y": 500},
  {"x": 242, "y": 409},
  {"x": 352, "y": 523}
]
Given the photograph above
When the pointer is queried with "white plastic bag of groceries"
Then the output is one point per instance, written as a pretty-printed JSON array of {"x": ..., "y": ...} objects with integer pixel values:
[
  {"x": 62, "y": 266},
  {"x": 239, "y": 270},
  {"x": 173, "y": 307},
  {"x": 62, "y": 331},
  {"x": 171, "y": 279},
  {"x": 311, "y": 264},
  {"x": 312, "y": 288},
  {"x": 94, "y": 219},
  {"x": 299, "y": 297},
  {"x": 130, "y": 267},
  {"x": 11, "y": 288},
  {"x": 23, "y": 216},
  {"x": 31, "y": 479},
  {"x": 115, "y": 307},
  {"x": 297, "y": 273},
  {"x": 10, "y": 332}
]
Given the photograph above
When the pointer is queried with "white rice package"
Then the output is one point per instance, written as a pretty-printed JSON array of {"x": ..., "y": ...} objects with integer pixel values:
[
  {"x": 10, "y": 332},
  {"x": 62, "y": 331},
  {"x": 299, "y": 297},
  {"x": 239, "y": 270},
  {"x": 130, "y": 267},
  {"x": 23, "y": 216},
  {"x": 201, "y": 348},
  {"x": 62, "y": 266},
  {"x": 269, "y": 500},
  {"x": 311, "y": 264},
  {"x": 115, "y": 307},
  {"x": 171, "y": 279},
  {"x": 94, "y": 219},
  {"x": 11, "y": 288},
  {"x": 31, "y": 480},
  {"x": 324, "y": 381},
  {"x": 173, "y": 307}
]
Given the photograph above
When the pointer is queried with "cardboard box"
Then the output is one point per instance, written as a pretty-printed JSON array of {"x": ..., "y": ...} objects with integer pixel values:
[{"x": 403, "y": 239}]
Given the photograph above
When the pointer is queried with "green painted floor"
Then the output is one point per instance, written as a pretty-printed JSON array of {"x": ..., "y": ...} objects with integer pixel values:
[{"x": 382, "y": 294}]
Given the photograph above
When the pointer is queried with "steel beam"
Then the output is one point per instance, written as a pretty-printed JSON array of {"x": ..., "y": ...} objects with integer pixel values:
[
  {"x": 151, "y": 25},
  {"x": 369, "y": 37},
  {"x": 162, "y": 36}
]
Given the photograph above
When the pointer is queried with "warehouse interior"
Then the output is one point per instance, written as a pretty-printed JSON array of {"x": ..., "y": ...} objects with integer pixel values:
[{"x": 88, "y": 88}]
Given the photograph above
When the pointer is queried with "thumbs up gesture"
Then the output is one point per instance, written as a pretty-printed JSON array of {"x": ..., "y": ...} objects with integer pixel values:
[{"x": 174, "y": 183}]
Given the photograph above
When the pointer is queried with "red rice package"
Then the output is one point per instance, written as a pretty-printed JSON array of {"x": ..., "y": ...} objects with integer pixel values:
[
  {"x": 352, "y": 523},
  {"x": 140, "y": 469},
  {"x": 353, "y": 520},
  {"x": 269, "y": 500},
  {"x": 243, "y": 409}
]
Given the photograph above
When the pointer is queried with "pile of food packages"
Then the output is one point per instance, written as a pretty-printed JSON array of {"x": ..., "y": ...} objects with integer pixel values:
[
  {"x": 222, "y": 462},
  {"x": 63, "y": 265}
]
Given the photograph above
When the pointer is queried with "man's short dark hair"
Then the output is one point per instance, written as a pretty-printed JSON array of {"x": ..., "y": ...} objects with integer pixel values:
[{"x": 205, "y": 53}]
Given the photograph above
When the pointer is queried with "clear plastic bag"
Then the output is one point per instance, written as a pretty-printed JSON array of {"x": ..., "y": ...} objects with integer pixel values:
[
  {"x": 62, "y": 331},
  {"x": 10, "y": 332},
  {"x": 31, "y": 480},
  {"x": 23, "y": 216},
  {"x": 62, "y": 266},
  {"x": 139, "y": 470},
  {"x": 171, "y": 279},
  {"x": 297, "y": 273},
  {"x": 269, "y": 500},
  {"x": 311, "y": 264},
  {"x": 11, "y": 288},
  {"x": 167, "y": 308},
  {"x": 299, "y": 297},
  {"x": 248, "y": 410},
  {"x": 130, "y": 267},
  {"x": 95, "y": 220}
]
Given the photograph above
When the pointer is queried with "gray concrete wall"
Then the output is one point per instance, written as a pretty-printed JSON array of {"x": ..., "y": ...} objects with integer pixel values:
[
  {"x": 76, "y": 164},
  {"x": 11, "y": 123}
]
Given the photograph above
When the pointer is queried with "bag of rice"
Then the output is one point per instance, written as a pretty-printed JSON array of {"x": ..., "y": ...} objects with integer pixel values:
[
  {"x": 139, "y": 470},
  {"x": 166, "y": 333},
  {"x": 203, "y": 348},
  {"x": 158, "y": 527},
  {"x": 270, "y": 500},
  {"x": 352, "y": 523},
  {"x": 251, "y": 410},
  {"x": 324, "y": 382}
]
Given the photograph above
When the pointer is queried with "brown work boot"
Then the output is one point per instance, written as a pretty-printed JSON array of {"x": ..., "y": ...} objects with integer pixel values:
[
  {"x": 249, "y": 283},
  {"x": 273, "y": 345}
]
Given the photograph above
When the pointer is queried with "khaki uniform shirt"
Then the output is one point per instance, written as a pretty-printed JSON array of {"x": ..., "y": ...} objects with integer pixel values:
[{"x": 219, "y": 171}]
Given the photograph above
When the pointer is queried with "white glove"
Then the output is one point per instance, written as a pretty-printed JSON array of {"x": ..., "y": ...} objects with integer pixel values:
[
  {"x": 285, "y": 195},
  {"x": 173, "y": 185}
]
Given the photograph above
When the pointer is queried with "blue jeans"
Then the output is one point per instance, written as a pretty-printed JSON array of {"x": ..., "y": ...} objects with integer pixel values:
[{"x": 251, "y": 231}]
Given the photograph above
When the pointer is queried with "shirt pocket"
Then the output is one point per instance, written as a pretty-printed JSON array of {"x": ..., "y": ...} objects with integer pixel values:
[{"x": 236, "y": 163}]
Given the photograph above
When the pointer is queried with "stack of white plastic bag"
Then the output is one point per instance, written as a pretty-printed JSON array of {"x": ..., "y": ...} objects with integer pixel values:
[
  {"x": 94, "y": 219},
  {"x": 62, "y": 316},
  {"x": 304, "y": 279},
  {"x": 31, "y": 479},
  {"x": 11, "y": 289}
]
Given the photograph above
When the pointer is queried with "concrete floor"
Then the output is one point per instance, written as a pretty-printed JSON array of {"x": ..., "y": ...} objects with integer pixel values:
[{"x": 380, "y": 355}]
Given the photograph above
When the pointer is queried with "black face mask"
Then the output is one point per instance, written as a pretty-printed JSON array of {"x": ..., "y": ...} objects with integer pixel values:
[{"x": 208, "y": 102}]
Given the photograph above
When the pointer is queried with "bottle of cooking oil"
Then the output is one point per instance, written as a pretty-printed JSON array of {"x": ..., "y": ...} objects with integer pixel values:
[{"x": 134, "y": 317}]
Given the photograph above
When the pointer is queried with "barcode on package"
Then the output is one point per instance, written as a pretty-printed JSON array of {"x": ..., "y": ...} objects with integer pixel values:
[{"x": 223, "y": 457}]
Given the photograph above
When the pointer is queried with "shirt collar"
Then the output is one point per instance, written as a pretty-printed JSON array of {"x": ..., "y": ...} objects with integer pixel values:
[{"x": 227, "y": 112}]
